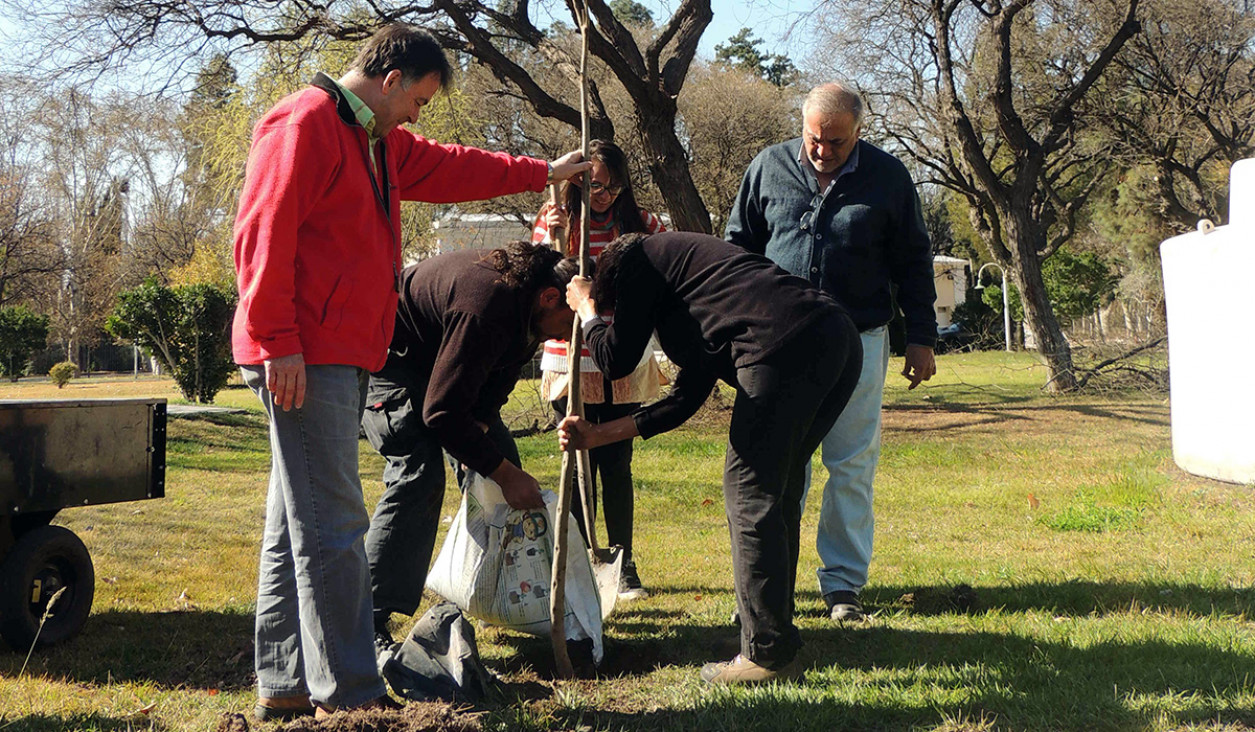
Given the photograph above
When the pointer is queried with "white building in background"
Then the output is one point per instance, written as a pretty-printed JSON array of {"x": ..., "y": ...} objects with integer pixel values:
[
  {"x": 457, "y": 230},
  {"x": 950, "y": 279}
]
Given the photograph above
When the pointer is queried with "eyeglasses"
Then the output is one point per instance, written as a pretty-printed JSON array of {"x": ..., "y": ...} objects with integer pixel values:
[
  {"x": 596, "y": 188},
  {"x": 808, "y": 218}
]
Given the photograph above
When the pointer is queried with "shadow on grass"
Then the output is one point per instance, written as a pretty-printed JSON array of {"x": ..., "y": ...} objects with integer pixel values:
[
  {"x": 623, "y": 658},
  {"x": 254, "y": 420},
  {"x": 1004, "y": 412},
  {"x": 79, "y": 723},
  {"x": 208, "y": 650},
  {"x": 1072, "y": 599},
  {"x": 237, "y": 443},
  {"x": 859, "y": 677},
  {"x": 878, "y": 677},
  {"x": 883, "y": 678},
  {"x": 1032, "y": 683}
]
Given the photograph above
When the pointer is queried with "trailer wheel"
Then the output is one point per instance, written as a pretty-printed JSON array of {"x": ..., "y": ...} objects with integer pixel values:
[{"x": 42, "y": 562}]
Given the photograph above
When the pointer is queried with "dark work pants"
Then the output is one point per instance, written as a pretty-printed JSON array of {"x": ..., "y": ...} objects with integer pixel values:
[
  {"x": 784, "y": 406},
  {"x": 403, "y": 529},
  {"x": 612, "y": 469}
]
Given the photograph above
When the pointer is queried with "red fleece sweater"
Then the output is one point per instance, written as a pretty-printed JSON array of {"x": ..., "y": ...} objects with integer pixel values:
[{"x": 316, "y": 251}]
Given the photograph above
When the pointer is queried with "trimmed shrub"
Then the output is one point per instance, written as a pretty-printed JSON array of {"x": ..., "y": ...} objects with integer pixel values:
[
  {"x": 187, "y": 328},
  {"x": 61, "y": 373}
]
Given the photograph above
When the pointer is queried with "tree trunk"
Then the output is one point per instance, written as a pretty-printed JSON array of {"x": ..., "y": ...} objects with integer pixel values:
[
  {"x": 1027, "y": 239},
  {"x": 668, "y": 166}
]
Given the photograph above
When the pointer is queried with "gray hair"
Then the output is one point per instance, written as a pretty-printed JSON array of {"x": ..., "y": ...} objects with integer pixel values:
[{"x": 834, "y": 98}]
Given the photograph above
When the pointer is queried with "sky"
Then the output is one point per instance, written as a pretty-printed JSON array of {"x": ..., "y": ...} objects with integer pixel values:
[{"x": 771, "y": 20}]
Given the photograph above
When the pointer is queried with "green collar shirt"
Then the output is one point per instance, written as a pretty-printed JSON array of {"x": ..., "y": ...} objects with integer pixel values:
[{"x": 366, "y": 118}]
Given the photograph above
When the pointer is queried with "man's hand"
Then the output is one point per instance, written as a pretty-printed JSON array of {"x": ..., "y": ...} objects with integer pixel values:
[
  {"x": 920, "y": 365},
  {"x": 285, "y": 379},
  {"x": 519, "y": 489},
  {"x": 577, "y": 433},
  {"x": 568, "y": 166},
  {"x": 577, "y": 297}
]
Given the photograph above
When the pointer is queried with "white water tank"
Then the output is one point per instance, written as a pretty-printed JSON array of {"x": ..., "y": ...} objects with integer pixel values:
[{"x": 1209, "y": 284}]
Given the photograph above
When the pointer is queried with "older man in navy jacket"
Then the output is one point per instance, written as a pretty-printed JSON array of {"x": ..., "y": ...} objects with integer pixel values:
[{"x": 844, "y": 214}]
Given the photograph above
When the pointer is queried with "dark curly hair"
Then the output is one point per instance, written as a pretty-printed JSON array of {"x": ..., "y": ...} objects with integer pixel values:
[
  {"x": 531, "y": 268},
  {"x": 605, "y": 289}
]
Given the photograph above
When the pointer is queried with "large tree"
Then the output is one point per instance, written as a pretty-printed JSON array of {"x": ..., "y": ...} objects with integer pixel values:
[
  {"x": 741, "y": 51},
  {"x": 171, "y": 203},
  {"x": 990, "y": 98},
  {"x": 28, "y": 255},
  {"x": 632, "y": 12},
  {"x": 1181, "y": 107},
  {"x": 652, "y": 70},
  {"x": 27, "y": 252},
  {"x": 729, "y": 116},
  {"x": 85, "y": 178}
]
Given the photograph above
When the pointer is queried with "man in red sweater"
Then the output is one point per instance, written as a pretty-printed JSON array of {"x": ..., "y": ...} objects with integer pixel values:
[{"x": 318, "y": 256}]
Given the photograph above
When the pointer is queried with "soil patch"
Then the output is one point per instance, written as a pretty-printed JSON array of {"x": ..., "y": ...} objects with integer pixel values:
[{"x": 414, "y": 717}]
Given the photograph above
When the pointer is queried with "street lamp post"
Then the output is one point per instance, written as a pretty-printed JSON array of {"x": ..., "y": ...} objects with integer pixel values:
[{"x": 1006, "y": 303}]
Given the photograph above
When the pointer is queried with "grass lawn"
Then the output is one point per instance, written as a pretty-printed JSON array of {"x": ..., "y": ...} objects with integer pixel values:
[{"x": 1041, "y": 564}]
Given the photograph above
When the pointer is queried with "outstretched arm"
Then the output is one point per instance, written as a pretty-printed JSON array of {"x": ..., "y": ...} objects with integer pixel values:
[{"x": 577, "y": 433}]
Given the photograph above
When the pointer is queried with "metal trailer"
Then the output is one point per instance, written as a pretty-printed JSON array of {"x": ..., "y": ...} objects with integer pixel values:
[{"x": 57, "y": 454}]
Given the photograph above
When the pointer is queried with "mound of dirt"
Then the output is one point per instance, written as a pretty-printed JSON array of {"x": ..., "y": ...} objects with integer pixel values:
[
  {"x": 232, "y": 723},
  {"x": 414, "y": 717}
]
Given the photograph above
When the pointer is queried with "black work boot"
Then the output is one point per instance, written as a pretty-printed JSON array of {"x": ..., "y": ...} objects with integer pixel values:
[{"x": 844, "y": 606}]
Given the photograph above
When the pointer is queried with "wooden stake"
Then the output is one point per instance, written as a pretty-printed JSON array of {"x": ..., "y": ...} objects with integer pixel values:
[
  {"x": 575, "y": 403},
  {"x": 558, "y": 234}
]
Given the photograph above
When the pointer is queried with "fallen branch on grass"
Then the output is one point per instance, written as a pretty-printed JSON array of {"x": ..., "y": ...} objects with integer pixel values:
[{"x": 1117, "y": 363}]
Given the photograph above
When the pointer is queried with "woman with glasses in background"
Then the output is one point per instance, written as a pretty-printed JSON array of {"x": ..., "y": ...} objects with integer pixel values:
[{"x": 612, "y": 212}]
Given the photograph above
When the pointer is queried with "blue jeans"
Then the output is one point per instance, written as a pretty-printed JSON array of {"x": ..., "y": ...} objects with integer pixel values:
[
  {"x": 850, "y": 451},
  {"x": 314, "y": 633}
]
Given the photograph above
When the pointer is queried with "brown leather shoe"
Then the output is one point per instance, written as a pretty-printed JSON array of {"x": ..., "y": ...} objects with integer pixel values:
[
  {"x": 271, "y": 708},
  {"x": 741, "y": 670},
  {"x": 385, "y": 702}
]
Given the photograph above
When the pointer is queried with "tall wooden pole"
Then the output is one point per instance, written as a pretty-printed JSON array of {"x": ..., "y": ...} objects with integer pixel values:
[
  {"x": 575, "y": 349},
  {"x": 557, "y": 234},
  {"x": 575, "y": 403}
]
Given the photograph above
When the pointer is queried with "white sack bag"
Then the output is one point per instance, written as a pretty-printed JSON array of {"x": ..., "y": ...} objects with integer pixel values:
[{"x": 496, "y": 565}]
